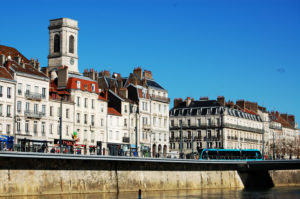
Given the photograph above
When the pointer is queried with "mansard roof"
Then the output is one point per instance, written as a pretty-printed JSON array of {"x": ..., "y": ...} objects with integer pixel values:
[
  {"x": 85, "y": 83},
  {"x": 10, "y": 51},
  {"x": 152, "y": 83},
  {"x": 112, "y": 111}
]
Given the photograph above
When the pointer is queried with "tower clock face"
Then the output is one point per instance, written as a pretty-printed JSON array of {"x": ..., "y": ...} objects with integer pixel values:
[{"x": 71, "y": 61}]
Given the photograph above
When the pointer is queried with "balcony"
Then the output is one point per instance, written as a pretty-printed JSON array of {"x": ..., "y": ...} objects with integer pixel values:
[
  {"x": 146, "y": 126},
  {"x": 33, "y": 96},
  {"x": 126, "y": 139},
  {"x": 32, "y": 114},
  {"x": 160, "y": 98}
]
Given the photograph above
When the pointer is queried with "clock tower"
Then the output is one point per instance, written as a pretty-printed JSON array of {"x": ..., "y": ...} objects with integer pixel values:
[{"x": 63, "y": 37}]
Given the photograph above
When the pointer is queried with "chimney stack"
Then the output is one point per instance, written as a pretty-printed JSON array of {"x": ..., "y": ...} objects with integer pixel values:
[
  {"x": 188, "y": 101},
  {"x": 177, "y": 101},
  {"x": 62, "y": 74},
  {"x": 241, "y": 104},
  {"x": 138, "y": 72},
  {"x": 147, "y": 74},
  {"x": 8, "y": 64},
  {"x": 221, "y": 100}
]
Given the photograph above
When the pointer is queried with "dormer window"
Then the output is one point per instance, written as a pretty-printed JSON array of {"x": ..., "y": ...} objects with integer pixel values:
[
  {"x": 93, "y": 87},
  {"x": 78, "y": 84}
]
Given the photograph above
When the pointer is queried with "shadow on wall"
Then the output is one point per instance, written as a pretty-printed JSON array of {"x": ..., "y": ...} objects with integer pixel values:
[{"x": 256, "y": 179}]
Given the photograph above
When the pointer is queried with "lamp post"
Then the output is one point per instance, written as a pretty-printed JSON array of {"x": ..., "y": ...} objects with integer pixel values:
[
  {"x": 136, "y": 131},
  {"x": 273, "y": 146},
  {"x": 60, "y": 124}
]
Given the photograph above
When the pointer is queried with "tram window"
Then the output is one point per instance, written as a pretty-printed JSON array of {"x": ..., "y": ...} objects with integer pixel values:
[{"x": 212, "y": 154}]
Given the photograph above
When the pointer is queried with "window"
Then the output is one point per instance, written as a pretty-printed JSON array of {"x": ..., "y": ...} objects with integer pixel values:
[
  {"x": 56, "y": 43},
  {"x": 85, "y": 102},
  {"x": 93, "y": 103},
  {"x": 199, "y": 122},
  {"x": 35, "y": 108},
  {"x": 208, "y": 122},
  {"x": 93, "y": 87},
  {"x": 35, "y": 127},
  {"x": 85, "y": 118},
  {"x": 86, "y": 87},
  {"x": 8, "y": 129},
  {"x": 1, "y": 109},
  {"x": 8, "y": 92},
  {"x": 19, "y": 105},
  {"x": 8, "y": 111},
  {"x": 189, "y": 135},
  {"x": 180, "y": 122},
  {"x": 172, "y": 122},
  {"x": 71, "y": 44},
  {"x": 189, "y": 122},
  {"x": 44, "y": 110},
  {"x": 1, "y": 87},
  {"x": 27, "y": 126},
  {"x": 92, "y": 120},
  {"x": 159, "y": 108},
  {"x": 27, "y": 106},
  {"x": 51, "y": 128},
  {"x": 78, "y": 101},
  {"x": 19, "y": 89},
  {"x": 51, "y": 110},
  {"x": 102, "y": 123},
  {"x": 125, "y": 122},
  {"x": 18, "y": 125},
  {"x": 43, "y": 128},
  {"x": 27, "y": 88},
  {"x": 125, "y": 108},
  {"x": 67, "y": 113},
  {"x": 58, "y": 128},
  {"x": 78, "y": 117},
  {"x": 165, "y": 123},
  {"x": 44, "y": 93}
]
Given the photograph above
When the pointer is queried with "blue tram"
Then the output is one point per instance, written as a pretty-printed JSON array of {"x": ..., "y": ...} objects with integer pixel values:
[{"x": 230, "y": 154}]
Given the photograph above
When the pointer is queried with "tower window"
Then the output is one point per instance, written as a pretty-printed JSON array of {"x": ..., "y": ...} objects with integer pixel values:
[
  {"x": 56, "y": 43},
  {"x": 71, "y": 44}
]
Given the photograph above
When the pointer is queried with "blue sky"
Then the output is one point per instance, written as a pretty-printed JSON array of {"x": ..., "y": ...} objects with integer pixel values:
[{"x": 243, "y": 49}]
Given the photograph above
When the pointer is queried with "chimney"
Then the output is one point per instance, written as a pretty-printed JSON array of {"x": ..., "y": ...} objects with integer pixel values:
[
  {"x": 188, "y": 101},
  {"x": 221, "y": 100},
  {"x": 37, "y": 65},
  {"x": 177, "y": 101},
  {"x": 138, "y": 72},
  {"x": 291, "y": 118},
  {"x": 241, "y": 104},
  {"x": 204, "y": 98},
  {"x": 62, "y": 74},
  {"x": 147, "y": 74},
  {"x": 106, "y": 73},
  {"x": 2, "y": 60},
  {"x": 284, "y": 116},
  {"x": 124, "y": 92}
]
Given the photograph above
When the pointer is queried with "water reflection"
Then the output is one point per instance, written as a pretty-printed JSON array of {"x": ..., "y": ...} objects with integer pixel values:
[{"x": 275, "y": 193}]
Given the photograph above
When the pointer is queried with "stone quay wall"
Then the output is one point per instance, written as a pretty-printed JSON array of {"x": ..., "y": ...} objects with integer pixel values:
[{"x": 21, "y": 175}]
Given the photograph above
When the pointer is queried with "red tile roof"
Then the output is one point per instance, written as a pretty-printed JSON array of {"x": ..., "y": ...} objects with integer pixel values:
[
  {"x": 12, "y": 52},
  {"x": 5, "y": 74},
  {"x": 112, "y": 111},
  {"x": 249, "y": 111}
]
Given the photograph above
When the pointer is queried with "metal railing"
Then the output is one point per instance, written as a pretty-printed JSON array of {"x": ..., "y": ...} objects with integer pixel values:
[
  {"x": 160, "y": 98},
  {"x": 32, "y": 114},
  {"x": 33, "y": 96}
]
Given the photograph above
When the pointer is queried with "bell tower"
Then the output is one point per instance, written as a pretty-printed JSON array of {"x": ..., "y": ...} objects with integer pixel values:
[{"x": 63, "y": 37}]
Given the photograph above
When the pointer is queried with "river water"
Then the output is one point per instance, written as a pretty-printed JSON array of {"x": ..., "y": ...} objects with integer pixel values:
[{"x": 274, "y": 193}]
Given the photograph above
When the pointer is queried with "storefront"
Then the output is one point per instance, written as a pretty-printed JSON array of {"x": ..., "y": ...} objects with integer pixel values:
[
  {"x": 118, "y": 149},
  {"x": 67, "y": 146},
  {"x": 29, "y": 145}
]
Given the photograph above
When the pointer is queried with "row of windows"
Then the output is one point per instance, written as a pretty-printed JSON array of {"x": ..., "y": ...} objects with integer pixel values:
[
  {"x": 78, "y": 83},
  {"x": 86, "y": 102},
  {"x": 28, "y": 90},
  {"x": 8, "y": 92},
  {"x": 28, "y": 105}
]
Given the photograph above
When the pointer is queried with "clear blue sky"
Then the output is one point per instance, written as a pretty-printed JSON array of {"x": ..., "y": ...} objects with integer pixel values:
[{"x": 243, "y": 49}]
